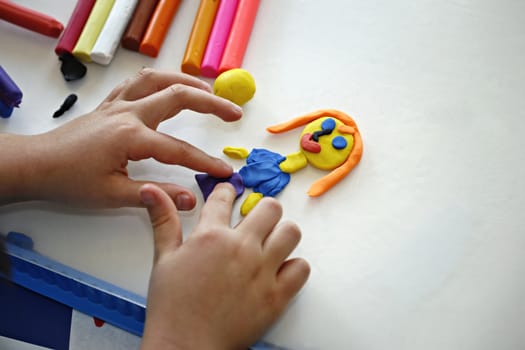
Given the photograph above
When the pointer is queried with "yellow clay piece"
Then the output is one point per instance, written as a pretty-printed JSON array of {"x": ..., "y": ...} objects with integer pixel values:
[
  {"x": 293, "y": 162},
  {"x": 236, "y": 85},
  {"x": 236, "y": 152},
  {"x": 250, "y": 202}
]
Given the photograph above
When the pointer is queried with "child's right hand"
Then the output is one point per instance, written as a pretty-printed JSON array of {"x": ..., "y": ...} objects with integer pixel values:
[{"x": 223, "y": 287}]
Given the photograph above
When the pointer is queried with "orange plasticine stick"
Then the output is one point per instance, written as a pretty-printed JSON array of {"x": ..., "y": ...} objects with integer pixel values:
[
  {"x": 191, "y": 62},
  {"x": 239, "y": 35},
  {"x": 158, "y": 27}
]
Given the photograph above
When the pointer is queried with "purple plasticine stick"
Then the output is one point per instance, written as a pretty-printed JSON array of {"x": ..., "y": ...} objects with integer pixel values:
[
  {"x": 10, "y": 94},
  {"x": 5, "y": 111},
  {"x": 218, "y": 38}
]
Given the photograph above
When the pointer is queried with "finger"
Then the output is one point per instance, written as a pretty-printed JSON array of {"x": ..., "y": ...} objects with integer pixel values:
[
  {"x": 262, "y": 219},
  {"x": 126, "y": 193},
  {"x": 281, "y": 242},
  {"x": 121, "y": 191},
  {"x": 168, "y": 102},
  {"x": 149, "y": 81},
  {"x": 169, "y": 150},
  {"x": 292, "y": 276},
  {"x": 218, "y": 207},
  {"x": 164, "y": 219}
]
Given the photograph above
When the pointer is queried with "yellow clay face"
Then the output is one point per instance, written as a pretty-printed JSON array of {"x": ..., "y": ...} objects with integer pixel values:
[{"x": 329, "y": 158}]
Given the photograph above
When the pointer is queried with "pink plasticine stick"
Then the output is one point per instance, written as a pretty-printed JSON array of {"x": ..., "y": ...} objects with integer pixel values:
[
  {"x": 218, "y": 38},
  {"x": 239, "y": 35}
]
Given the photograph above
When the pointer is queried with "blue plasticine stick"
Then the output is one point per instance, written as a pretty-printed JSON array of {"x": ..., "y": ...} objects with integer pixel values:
[
  {"x": 78, "y": 290},
  {"x": 5, "y": 111},
  {"x": 10, "y": 93}
]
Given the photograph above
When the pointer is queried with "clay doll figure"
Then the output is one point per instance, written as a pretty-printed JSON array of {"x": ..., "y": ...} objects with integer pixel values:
[{"x": 330, "y": 141}]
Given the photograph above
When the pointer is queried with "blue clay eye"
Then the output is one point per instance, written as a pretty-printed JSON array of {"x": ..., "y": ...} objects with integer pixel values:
[
  {"x": 328, "y": 124},
  {"x": 339, "y": 142}
]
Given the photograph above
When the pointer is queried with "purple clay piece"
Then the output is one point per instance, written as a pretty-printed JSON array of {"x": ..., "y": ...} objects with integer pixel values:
[
  {"x": 72, "y": 69},
  {"x": 10, "y": 93},
  {"x": 207, "y": 183}
]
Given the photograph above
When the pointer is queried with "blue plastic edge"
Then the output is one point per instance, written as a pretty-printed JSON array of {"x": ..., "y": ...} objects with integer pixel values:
[
  {"x": 80, "y": 291},
  {"x": 76, "y": 289}
]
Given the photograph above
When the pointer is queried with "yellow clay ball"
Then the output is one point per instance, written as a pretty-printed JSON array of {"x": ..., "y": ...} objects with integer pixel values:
[{"x": 236, "y": 85}]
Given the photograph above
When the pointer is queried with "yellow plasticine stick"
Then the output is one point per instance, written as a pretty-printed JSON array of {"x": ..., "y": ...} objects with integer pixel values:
[{"x": 92, "y": 29}]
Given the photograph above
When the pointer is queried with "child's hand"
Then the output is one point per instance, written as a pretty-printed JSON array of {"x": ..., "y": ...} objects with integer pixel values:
[
  {"x": 84, "y": 161},
  {"x": 223, "y": 287}
]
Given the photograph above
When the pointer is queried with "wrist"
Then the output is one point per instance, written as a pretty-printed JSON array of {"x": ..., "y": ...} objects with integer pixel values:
[
  {"x": 20, "y": 166},
  {"x": 169, "y": 339}
]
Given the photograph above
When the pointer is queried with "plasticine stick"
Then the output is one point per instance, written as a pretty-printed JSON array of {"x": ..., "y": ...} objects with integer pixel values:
[
  {"x": 218, "y": 37},
  {"x": 139, "y": 22},
  {"x": 91, "y": 31},
  {"x": 158, "y": 27},
  {"x": 239, "y": 35},
  {"x": 30, "y": 19},
  {"x": 109, "y": 37},
  {"x": 10, "y": 93},
  {"x": 5, "y": 110},
  {"x": 191, "y": 62},
  {"x": 74, "y": 27}
]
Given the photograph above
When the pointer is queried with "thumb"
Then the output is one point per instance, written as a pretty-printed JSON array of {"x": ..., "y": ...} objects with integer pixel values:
[{"x": 164, "y": 219}]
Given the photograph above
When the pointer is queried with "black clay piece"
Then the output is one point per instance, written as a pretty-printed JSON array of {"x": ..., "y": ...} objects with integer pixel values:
[
  {"x": 72, "y": 69},
  {"x": 68, "y": 103}
]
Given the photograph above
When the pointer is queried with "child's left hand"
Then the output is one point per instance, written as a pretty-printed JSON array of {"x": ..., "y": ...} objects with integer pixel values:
[{"x": 84, "y": 161}]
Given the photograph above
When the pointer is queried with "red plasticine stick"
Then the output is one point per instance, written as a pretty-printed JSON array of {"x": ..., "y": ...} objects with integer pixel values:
[
  {"x": 239, "y": 35},
  {"x": 30, "y": 19},
  {"x": 74, "y": 26},
  {"x": 158, "y": 27}
]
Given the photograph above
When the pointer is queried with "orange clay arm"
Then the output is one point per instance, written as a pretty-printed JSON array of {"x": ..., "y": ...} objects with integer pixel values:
[
  {"x": 325, "y": 183},
  {"x": 304, "y": 119}
]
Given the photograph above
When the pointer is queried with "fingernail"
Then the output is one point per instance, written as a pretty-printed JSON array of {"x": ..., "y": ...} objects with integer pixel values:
[
  {"x": 237, "y": 108},
  {"x": 226, "y": 185},
  {"x": 183, "y": 202},
  {"x": 147, "y": 198},
  {"x": 207, "y": 87},
  {"x": 225, "y": 165}
]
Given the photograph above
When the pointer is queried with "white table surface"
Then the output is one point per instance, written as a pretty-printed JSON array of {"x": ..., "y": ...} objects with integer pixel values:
[{"x": 421, "y": 246}]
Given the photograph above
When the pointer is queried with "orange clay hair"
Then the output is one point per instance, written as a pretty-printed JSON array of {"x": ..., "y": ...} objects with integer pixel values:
[{"x": 325, "y": 183}]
